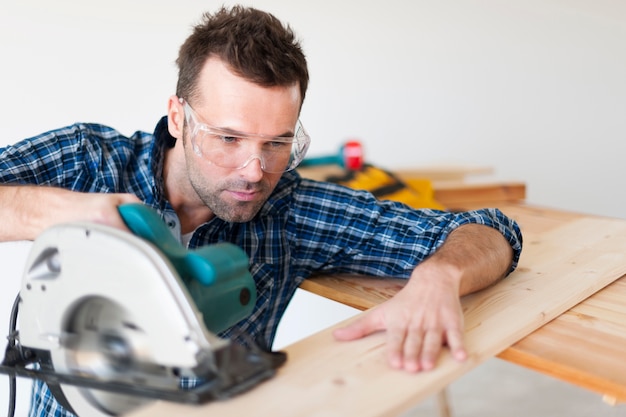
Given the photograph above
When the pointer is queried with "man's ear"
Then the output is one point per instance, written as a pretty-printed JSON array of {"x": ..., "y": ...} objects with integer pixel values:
[{"x": 175, "y": 117}]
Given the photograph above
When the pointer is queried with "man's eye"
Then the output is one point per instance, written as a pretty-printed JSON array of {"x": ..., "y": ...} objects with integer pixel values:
[
  {"x": 228, "y": 139},
  {"x": 279, "y": 144}
]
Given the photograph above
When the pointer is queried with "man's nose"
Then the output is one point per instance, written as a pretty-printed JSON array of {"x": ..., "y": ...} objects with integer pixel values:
[{"x": 252, "y": 169}]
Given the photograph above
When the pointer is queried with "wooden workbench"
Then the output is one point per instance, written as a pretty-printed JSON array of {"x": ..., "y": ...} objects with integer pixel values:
[{"x": 585, "y": 346}]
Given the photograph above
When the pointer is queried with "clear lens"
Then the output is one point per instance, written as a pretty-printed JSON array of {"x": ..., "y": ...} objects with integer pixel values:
[{"x": 228, "y": 150}]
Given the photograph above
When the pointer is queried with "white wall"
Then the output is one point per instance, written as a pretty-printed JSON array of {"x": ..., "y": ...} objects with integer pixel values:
[{"x": 534, "y": 88}]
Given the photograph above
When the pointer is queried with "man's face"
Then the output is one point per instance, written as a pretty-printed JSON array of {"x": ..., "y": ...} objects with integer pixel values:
[{"x": 232, "y": 103}]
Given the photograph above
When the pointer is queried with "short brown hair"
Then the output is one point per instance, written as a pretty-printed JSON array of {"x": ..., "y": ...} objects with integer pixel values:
[{"x": 254, "y": 44}]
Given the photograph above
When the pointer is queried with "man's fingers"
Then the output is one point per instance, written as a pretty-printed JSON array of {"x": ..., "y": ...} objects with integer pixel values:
[
  {"x": 456, "y": 344},
  {"x": 127, "y": 198},
  {"x": 433, "y": 340},
  {"x": 412, "y": 348},
  {"x": 411, "y": 345},
  {"x": 395, "y": 346},
  {"x": 113, "y": 217},
  {"x": 361, "y": 327}
]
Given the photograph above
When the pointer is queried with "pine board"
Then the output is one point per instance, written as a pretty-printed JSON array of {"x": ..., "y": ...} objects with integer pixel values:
[{"x": 585, "y": 346}]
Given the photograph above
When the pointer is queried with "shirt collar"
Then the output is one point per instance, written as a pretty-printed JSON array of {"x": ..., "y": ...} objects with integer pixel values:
[{"x": 161, "y": 143}]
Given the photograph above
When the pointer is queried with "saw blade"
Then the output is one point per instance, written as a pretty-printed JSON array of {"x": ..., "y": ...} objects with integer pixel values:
[{"x": 103, "y": 340}]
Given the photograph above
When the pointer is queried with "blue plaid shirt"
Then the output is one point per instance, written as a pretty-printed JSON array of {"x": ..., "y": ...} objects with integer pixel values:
[{"x": 306, "y": 227}]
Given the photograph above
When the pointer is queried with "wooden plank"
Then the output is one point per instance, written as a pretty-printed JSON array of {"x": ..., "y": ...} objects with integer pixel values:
[
  {"x": 322, "y": 172},
  {"x": 324, "y": 377},
  {"x": 600, "y": 319},
  {"x": 457, "y": 196},
  {"x": 584, "y": 346}
]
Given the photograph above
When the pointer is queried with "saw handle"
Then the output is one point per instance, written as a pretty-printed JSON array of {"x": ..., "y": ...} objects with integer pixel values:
[{"x": 216, "y": 276}]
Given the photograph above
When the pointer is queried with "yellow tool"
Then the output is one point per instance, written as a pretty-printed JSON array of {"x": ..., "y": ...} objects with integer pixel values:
[{"x": 417, "y": 193}]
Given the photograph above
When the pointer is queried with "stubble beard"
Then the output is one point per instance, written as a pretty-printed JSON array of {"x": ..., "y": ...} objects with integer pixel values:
[{"x": 230, "y": 211}]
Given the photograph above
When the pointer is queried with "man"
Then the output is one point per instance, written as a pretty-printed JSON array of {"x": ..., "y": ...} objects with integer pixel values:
[{"x": 220, "y": 167}]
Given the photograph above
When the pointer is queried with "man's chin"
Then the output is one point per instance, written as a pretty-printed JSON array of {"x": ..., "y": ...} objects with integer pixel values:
[
  {"x": 238, "y": 219},
  {"x": 236, "y": 215}
]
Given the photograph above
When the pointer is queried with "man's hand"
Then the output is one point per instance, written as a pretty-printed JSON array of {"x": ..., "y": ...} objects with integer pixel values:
[
  {"x": 427, "y": 313},
  {"x": 32, "y": 209},
  {"x": 99, "y": 208},
  {"x": 419, "y": 320}
]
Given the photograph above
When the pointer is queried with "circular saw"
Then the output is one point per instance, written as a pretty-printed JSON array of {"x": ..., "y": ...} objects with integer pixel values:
[{"x": 111, "y": 320}]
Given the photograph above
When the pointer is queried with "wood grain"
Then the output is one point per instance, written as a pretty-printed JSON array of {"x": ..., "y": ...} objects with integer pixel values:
[
  {"x": 559, "y": 268},
  {"x": 585, "y": 346}
]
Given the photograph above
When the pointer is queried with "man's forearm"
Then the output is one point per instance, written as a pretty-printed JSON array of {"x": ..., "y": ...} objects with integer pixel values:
[
  {"x": 477, "y": 254},
  {"x": 25, "y": 209}
]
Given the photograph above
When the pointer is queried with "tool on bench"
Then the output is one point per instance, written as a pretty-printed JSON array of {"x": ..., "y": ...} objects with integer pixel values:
[
  {"x": 112, "y": 320},
  {"x": 383, "y": 184},
  {"x": 350, "y": 157}
]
